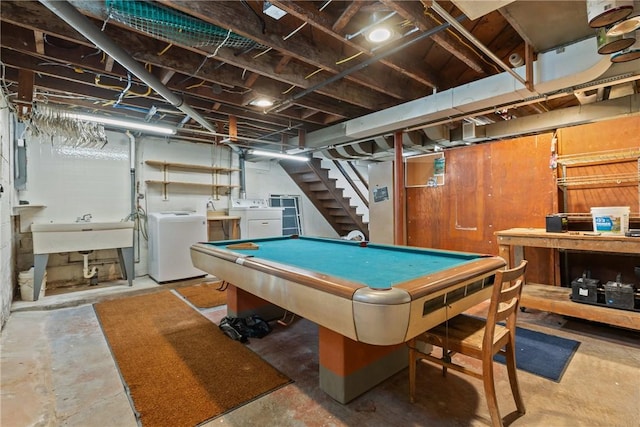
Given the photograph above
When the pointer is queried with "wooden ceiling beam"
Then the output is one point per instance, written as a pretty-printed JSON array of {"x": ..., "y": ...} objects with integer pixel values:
[
  {"x": 145, "y": 49},
  {"x": 306, "y": 12},
  {"x": 39, "y": 40},
  {"x": 344, "y": 19},
  {"x": 66, "y": 79},
  {"x": 231, "y": 15},
  {"x": 415, "y": 13}
]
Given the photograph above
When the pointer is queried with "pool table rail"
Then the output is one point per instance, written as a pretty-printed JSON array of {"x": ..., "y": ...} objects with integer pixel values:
[{"x": 452, "y": 278}]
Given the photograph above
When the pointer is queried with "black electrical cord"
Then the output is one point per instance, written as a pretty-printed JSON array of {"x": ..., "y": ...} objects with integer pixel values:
[{"x": 263, "y": 24}]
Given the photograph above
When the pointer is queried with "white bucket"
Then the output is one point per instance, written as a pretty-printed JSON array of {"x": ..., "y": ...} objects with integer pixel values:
[
  {"x": 25, "y": 280},
  {"x": 610, "y": 219}
]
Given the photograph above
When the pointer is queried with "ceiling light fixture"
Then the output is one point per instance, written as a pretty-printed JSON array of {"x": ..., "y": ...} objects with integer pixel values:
[
  {"x": 274, "y": 154},
  {"x": 378, "y": 32},
  {"x": 379, "y": 35},
  {"x": 272, "y": 11},
  {"x": 125, "y": 124},
  {"x": 261, "y": 102}
]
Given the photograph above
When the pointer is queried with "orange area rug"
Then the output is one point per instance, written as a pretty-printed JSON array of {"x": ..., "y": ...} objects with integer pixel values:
[
  {"x": 180, "y": 369},
  {"x": 204, "y": 295}
]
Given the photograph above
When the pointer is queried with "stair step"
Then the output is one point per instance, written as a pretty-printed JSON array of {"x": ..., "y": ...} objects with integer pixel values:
[
  {"x": 332, "y": 204},
  {"x": 323, "y": 192},
  {"x": 344, "y": 220},
  {"x": 317, "y": 186}
]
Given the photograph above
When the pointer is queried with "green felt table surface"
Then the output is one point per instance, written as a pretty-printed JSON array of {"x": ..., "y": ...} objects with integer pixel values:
[{"x": 377, "y": 266}]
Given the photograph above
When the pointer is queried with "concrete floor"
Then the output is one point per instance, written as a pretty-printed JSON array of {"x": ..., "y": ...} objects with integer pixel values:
[{"x": 56, "y": 369}]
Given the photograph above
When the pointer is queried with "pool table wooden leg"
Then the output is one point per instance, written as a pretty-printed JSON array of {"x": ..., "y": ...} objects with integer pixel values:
[
  {"x": 349, "y": 368},
  {"x": 242, "y": 304}
]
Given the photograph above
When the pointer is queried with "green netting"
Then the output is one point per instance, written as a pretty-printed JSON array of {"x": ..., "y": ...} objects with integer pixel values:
[{"x": 174, "y": 26}]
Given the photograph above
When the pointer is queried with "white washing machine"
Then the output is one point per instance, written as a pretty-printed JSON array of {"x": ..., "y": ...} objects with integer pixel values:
[
  {"x": 171, "y": 235},
  {"x": 257, "y": 219}
]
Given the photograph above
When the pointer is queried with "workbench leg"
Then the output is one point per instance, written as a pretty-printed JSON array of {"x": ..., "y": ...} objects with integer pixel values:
[{"x": 504, "y": 251}]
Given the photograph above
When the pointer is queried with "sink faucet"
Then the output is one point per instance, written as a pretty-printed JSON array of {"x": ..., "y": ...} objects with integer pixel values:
[{"x": 84, "y": 218}]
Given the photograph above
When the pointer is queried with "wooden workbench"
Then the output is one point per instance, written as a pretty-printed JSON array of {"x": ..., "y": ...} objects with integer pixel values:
[{"x": 555, "y": 299}]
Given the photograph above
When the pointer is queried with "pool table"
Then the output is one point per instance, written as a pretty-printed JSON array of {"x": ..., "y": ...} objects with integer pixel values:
[{"x": 367, "y": 299}]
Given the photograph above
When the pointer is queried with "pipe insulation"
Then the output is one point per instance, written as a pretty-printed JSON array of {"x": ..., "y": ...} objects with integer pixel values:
[{"x": 84, "y": 26}]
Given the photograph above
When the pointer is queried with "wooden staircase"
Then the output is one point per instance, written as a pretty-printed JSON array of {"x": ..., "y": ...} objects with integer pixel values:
[{"x": 326, "y": 197}]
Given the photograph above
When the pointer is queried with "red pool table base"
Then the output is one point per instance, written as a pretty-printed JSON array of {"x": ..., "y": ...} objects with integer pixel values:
[{"x": 347, "y": 368}]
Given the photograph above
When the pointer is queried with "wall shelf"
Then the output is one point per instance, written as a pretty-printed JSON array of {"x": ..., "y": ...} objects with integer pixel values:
[
  {"x": 215, "y": 171},
  {"x": 21, "y": 208},
  {"x": 598, "y": 170},
  {"x": 185, "y": 166},
  {"x": 425, "y": 170}
]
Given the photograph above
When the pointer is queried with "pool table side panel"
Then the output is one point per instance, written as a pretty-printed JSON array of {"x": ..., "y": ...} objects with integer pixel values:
[
  {"x": 452, "y": 277},
  {"x": 329, "y": 310},
  {"x": 419, "y": 322}
]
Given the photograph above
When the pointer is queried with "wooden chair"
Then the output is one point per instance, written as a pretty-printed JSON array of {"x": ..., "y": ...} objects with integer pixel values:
[{"x": 479, "y": 339}]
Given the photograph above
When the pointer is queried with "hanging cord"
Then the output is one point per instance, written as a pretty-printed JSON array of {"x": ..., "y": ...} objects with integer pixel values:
[
  {"x": 211, "y": 55},
  {"x": 446, "y": 357}
]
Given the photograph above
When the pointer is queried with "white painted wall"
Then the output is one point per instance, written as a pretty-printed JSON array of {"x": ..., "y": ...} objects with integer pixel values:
[
  {"x": 6, "y": 231},
  {"x": 261, "y": 180},
  {"x": 72, "y": 181},
  {"x": 69, "y": 182}
]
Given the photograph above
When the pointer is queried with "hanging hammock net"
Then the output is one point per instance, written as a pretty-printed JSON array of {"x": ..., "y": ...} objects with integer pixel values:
[{"x": 173, "y": 26}]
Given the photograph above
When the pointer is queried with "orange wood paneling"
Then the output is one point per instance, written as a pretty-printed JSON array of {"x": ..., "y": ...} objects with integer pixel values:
[
  {"x": 507, "y": 184},
  {"x": 596, "y": 138},
  {"x": 600, "y": 136},
  {"x": 488, "y": 187}
]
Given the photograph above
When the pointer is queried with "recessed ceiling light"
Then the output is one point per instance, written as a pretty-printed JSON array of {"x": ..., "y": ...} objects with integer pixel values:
[
  {"x": 261, "y": 102},
  {"x": 379, "y": 35}
]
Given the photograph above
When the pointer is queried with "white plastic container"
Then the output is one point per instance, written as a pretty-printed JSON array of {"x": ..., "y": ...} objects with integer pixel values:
[
  {"x": 610, "y": 219},
  {"x": 25, "y": 280}
]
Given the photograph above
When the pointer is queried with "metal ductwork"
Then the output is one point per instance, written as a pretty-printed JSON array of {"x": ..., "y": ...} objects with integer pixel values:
[{"x": 573, "y": 67}]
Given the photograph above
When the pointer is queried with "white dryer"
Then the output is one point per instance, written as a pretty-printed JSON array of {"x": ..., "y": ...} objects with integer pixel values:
[
  {"x": 257, "y": 219},
  {"x": 171, "y": 235}
]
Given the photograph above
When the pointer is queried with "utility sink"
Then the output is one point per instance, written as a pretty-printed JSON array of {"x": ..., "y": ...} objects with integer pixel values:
[{"x": 81, "y": 236}]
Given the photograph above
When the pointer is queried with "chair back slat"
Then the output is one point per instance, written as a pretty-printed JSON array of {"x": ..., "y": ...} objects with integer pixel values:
[{"x": 504, "y": 300}]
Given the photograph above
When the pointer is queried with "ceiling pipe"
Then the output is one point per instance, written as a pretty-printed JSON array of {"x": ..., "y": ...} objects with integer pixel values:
[
  {"x": 286, "y": 103},
  {"x": 455, "y": 24},
  {"x": 84, "y": 26}
]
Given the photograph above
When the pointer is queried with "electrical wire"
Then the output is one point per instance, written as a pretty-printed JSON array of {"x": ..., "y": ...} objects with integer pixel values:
[{"x": 463, "y": 42}]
